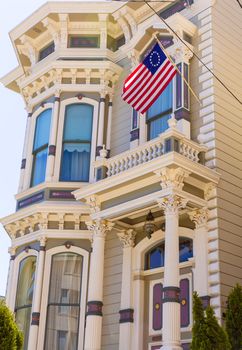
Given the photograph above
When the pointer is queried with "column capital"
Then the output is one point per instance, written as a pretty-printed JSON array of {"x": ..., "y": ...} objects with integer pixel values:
[
  {"x": 171, "y": 204},
  {"x": 172, "y": 178},
  {"x": 208, "y": 190},
  {"x": 127, "y": 238},
  {"x": 199, "y": 217},
  {"x": 99, "y": 228},
  {"x": 182, "y": 53}
]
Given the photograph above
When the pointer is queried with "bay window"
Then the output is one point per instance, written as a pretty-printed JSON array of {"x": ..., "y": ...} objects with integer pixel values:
[
  {"x": 40, "y": 147},
  {"x": 63, "y": 307},
  {"x": 76, "y": 145},
  {"x": 24, "y": 295}
]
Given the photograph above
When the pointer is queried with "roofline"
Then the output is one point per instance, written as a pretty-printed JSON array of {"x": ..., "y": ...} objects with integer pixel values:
[{"x": 63, "y": 7}]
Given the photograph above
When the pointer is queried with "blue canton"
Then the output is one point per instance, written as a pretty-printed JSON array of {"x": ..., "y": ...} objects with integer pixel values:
[{"x": 155, "y": 59}]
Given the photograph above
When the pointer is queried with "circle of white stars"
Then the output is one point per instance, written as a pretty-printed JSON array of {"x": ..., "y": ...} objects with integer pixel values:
[{"x": 158, "y": 59}]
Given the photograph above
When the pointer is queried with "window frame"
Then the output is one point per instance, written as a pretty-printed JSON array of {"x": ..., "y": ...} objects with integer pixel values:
[
  {"x": 13, "y": 295},
  {"x": 30, "y": 157},
  {"x": 59, "y": 144},
  {"x": 45, "y": 292}
]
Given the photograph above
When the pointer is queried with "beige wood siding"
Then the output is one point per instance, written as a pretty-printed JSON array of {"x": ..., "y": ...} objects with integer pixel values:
[{"x": 112, "y": 292}]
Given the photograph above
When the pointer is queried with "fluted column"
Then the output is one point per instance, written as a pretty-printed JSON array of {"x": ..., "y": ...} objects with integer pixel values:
[
  {"x": 109, "y": 127},
  {"x": 171, "y": 339},
  {"x": 24, "y": 154},
  {"x": 101, "y": 123},
  {"x": 34, "y": 328},
  {"x": 52, "y": 140},
  {"x": 9, "y": 296},
  {"x": 200, "y": 245},
  {"x": 94, "y": 314},
  {"x": 126, "y": 309}
]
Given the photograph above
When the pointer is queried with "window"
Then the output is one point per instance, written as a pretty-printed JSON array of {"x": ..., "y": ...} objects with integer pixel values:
[
  {"x": 24, "y": 295},
  {"x": 84, "y": 41},
  {"x": 156, "y": 256},
  {"x": 158, "y": 114},
  {"x": 76, "y": 149},
  {"x": 40, "y": 148},
  {"x": 46, "y": 51},
  {"x": 63, "y": 309}
]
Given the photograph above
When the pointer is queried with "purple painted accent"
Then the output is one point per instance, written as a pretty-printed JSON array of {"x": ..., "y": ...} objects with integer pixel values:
[
  {"x": 58, "y": 194},
  {"x": 35, "y": 318},
  {"x": 12, "y": 257},
  {"x": 102, "y": 99},
  {"x": 182, "y": 113},
  {"x": 42, "y": 248},
  {"x": 157, "y": 306},
  {"x": 94, "y": 308},
  {"x": 179, "y": 88},
  {"x": 205, "y": 301},
  {"x": 52, "y": 150},
  {"x": 186, "y": 346},
  {"x": 134, "y": 135},
  {"x": 186, "y": 92},
  {"x": 171, "y": 294},
  {"x": 23, "y": 164},
  {"x": 157, "y": 338},
  {"x": 185, "y": 302},
  {"x": 38, "y": 197},
  {"x": 126, "y": 316},
  {"x": 79, "y": 96},
  {"x": 57, "y": 99},
  {"x": 177, "y": 7},
  {"x": 156, "y": 347},
  {"x": 30, "y": 115},
  {"x": 166, "y": 41},
  {"x": 98, "y": 149},
  {"x": 110, "y": 104},
  {"x": 134, "y": 119}
]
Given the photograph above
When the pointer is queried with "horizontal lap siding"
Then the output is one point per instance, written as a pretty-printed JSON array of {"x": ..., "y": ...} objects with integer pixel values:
[
  {"x": 121, "y": 115},
  {"x": 112, "y": 292},
  {"x": 227, "y": 53}
]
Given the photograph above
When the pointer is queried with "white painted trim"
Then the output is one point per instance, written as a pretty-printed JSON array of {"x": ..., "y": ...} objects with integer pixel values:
[
  {"x": 45, "y": 292},
  {"x": 17, "y": 261},
  {"x": 63, "y": 106},
  {"x": 29, "y": 155}
]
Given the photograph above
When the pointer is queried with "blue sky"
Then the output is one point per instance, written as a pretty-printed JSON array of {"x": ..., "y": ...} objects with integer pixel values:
[{"x": 12, "y": 122}]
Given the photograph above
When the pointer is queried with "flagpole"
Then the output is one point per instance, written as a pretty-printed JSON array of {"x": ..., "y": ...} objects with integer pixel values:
[{"x": 176, "y": 68}]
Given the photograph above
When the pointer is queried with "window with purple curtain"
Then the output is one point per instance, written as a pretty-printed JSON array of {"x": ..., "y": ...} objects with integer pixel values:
[{"x": 76, "y": 147}]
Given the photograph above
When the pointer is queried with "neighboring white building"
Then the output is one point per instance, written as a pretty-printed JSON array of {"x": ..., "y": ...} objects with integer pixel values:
[{"x": 97, "y": 179}]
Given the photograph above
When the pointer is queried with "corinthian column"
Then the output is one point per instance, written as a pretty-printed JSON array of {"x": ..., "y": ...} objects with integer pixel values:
[
  {"x": 171, "y": 304},
  {"x": 126, "y": 310},
  {"x": 94, "y": 314},
  {"x": 200, "y": 243}
]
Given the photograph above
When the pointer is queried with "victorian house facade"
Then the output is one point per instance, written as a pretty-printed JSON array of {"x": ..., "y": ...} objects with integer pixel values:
[{"x": 121, "y": 216}]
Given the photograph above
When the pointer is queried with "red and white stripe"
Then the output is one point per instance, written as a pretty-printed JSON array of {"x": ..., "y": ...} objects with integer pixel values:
[{"x": 141, "y": 88}]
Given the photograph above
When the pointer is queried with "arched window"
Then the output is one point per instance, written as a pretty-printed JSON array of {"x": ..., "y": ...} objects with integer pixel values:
[
  {"x": 40, "y": 148},
  {"x": 76, "y": 148},
  {"x": 156, "y": 256},
  {"x": 63, "y": 307},
  {"x": 159, "y": 113},
  {"x": 24, "y": 295}
]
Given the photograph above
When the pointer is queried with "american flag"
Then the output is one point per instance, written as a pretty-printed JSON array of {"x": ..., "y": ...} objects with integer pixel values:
[{"x": 146, "y": 83}]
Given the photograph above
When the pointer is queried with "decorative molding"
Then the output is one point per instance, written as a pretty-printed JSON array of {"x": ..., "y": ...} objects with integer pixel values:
[
  {"x": 171, "y": 294},
  {"x": 172, "y": 178},
  {"x": 99, "y": 228},
  {"x": 208, "y": 190},
  {"x": 12, "y": 252},
  {"x": 127, "y": 238},
  {"x": 126, "y": 316},
  {"x": 42, "y": 240},
  {"x": 94, "y": 308},
  {"x": 23, "y": 163},
  {"x": 94, "y": 203},
  {"x": 35, "y": 198},
  {"x": 172, "y": 204},
  {"x": 199, "y": 217}
]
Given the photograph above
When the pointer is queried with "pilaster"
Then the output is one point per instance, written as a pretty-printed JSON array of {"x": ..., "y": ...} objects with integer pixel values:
[{"x": 12, "y": 252}]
